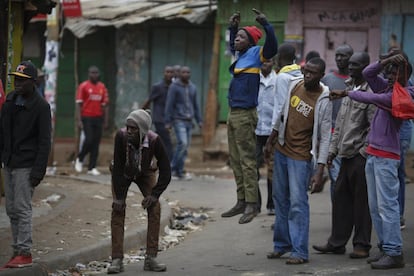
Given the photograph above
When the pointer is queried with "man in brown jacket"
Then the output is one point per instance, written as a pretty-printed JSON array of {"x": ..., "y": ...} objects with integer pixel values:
[{"x": 138, "y": 154}]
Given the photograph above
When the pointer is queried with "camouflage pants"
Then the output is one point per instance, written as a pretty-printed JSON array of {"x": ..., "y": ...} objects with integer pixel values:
[{"x": 241, "y": 124}]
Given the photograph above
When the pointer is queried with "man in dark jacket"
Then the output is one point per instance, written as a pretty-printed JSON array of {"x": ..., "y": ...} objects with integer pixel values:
[
  {"x": 180, "y": 109},
  {"x": 25, "y": 140},
  {"x": 136, "y": 147}
]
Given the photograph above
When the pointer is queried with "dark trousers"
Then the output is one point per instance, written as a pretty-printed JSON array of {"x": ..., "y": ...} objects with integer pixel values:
[
  {"x": 145, "y": 184},
  {"x": 350, "y": 210},
  {"x": 165, "y": 137},
  {"x": 260, "y": 144},
  {"x": 92, "y": 126}
]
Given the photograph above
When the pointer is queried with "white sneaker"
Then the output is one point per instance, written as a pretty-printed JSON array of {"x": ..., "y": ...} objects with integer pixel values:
[
  {"x": 78, "y": 165},
  {"x": 94, "y": 171},
  {"x": 187, "y": 177}
]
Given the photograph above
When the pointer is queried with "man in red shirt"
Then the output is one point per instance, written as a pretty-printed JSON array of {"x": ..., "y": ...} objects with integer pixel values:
[{"x": 91, "y": 102}]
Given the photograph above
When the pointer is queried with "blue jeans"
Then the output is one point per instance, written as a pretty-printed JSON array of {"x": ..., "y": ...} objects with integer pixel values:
[
  {"x": 333, "y": 174},
  {"x": 182, "y": 131},
  {"x": 19, "y": 192},
  {"x": 383, "y": 187},
  {"x": 404, "y": 146},
  {"x": 290, "y": 185}
]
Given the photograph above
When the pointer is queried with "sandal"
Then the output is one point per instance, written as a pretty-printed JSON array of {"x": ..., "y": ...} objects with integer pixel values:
[
  {"x": 275, "y": 255},
  {"x": 296, "y": 261}
]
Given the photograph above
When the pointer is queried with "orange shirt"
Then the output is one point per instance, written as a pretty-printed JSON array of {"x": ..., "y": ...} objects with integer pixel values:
[{"x": 93, "y": 97}]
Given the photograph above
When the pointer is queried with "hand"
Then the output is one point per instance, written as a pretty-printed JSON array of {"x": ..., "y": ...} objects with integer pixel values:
[
  {"x": 234, "y": 20},
  {"x": 394, "y": 59},
  {"x": 35, "y": 181},
  {"x": 331, "y": 157},
  {"x": 80, "y": 125},
  {"x": 148, "y": 201},
  {"x": 316, "y": 183},
  {"x": 260, "y": 17},
  {"x": 337, "y": 94},
  {"x": 268, "y": 150}
]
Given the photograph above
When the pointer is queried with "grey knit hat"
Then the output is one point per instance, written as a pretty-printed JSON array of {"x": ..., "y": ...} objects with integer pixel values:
[{"x": 142, "y": 119}]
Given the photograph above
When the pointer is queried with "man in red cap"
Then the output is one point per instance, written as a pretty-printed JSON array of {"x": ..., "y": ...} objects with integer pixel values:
[{"x": 242, "y": 118}]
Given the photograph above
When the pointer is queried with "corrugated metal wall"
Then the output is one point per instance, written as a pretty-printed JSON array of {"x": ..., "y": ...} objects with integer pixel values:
[{"x": 143, "y": 51}]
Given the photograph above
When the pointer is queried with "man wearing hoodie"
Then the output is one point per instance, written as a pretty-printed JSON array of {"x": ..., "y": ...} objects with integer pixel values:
[
  {"x": 301, "y": 136},
  {"x": 135, "y": 150},
  {"x": 242, "y": 117},
  {"x": 180, "y": 110}
]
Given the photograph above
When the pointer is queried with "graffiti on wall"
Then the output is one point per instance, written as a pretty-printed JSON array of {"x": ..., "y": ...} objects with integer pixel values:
[{"x": 354, "y": 16}]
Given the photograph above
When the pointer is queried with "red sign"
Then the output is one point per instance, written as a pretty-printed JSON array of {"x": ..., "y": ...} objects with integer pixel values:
[{"x": 72, "y": 8}]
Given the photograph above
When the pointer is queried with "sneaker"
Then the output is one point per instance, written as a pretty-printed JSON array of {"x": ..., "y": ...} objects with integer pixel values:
[
  {"x": 375, "y": 257},
  {"x": 388, "y": 262},
  {"x": 116, "y": 266},
  {"x": 94, "y": 171},
  {"x": 78, "y": 165},
  {"x": 187, "y": 177},
  {"x": 402, "y": 223},
  {"x": 20, "y": 261}
]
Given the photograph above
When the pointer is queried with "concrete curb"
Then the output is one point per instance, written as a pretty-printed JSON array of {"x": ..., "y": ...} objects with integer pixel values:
[{"x": 99, "y": 251}]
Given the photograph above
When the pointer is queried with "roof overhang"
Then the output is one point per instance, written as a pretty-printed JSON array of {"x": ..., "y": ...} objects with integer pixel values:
[{"x": 117, "y": 13}]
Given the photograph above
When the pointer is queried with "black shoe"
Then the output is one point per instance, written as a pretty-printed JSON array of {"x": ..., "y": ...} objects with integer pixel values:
[
  {"x": 376, "y": 257},
  {"x": 329, "y": 249},
  {"x": 388, "y": 262},
  {"x": 237, "y": 209},
  {"x": 249, "y": 213},
  {"x": 150, "y": 264}
]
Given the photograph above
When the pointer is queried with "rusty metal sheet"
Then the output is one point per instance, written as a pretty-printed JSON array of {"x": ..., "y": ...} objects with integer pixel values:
[{"x": 118, "y": 13}]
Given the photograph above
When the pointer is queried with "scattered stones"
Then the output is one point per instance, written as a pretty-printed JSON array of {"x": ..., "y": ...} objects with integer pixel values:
[{"x": 183, "y": 222}]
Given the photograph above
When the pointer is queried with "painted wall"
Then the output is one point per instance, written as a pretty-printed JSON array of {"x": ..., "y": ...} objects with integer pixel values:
[{"x": 323, "y": 25}]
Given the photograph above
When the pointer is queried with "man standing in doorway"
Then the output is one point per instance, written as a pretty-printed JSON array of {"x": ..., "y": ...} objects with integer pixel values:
[{"x": 92, "y": 116}]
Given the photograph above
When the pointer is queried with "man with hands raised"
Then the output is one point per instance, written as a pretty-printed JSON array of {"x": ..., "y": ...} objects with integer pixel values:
[{"x": 242, "y": 117}]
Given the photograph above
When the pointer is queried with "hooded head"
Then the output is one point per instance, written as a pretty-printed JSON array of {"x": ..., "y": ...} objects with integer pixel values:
[
  {"x": 254, "y": 33},
  {"x": 142, "y": 119}
]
